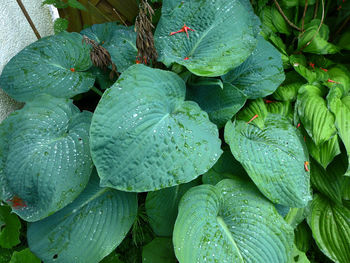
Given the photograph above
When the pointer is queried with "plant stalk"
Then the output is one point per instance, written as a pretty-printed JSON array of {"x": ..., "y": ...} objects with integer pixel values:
[{"x": 36, "y": 32}]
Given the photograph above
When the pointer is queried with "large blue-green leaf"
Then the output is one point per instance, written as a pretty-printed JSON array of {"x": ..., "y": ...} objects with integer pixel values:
[
  {"x": 261, "y": 74},
  {"x": 330, "y": 225},
  {"x": 339, "y": 105},
  {"x": 225, "y": 35},
  {"x": 314, "y": 114},
  {"x": 161, "y": 207},
  {"x": 53, "y": 65},
  {"x": 86, "y": 230},
  {"x": 230, "y": 222},
  {"x": 221, "y": 104},
  {"x": 44, "y": 156},
  {"x": 274, "y": 158},
  {"x": 120, "y": 42},
  {"x": 145, "y": 137}
]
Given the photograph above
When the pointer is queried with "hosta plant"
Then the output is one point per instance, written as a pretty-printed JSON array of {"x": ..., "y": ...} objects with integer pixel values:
[{"x": 231, "y": 147}]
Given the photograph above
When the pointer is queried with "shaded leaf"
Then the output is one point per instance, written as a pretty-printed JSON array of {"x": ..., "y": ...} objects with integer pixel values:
[
  {"x": 24, "y": 255},
  {"x": 160, "y": 250},
  {"x": 9, "y": 228}
]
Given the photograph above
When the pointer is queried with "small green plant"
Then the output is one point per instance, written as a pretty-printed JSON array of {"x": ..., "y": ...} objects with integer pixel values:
[{"x": 232, "y": 147}]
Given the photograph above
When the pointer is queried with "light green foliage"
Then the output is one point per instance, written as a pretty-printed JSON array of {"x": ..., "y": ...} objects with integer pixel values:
[
  {"x": 24, "y": 255},
  {"x": 230, "y": 222},
  {"x": 330, "y": 225},
  {"x": 88, "y": 229},
  {"x": 60, "y": 25},
  {"x": 160, "y": 139}
]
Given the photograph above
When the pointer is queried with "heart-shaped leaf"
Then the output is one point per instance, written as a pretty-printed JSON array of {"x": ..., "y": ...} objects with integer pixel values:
[
  {"x": 161, "y": 207},
  {"x": 224, "y": 35},
  {"x": 230, "y": 222},
  {"x": 261, "y": 74},
  {"x": 53, "y": 65},
  {"x": 145, "y": 137},
  {"x": 221, "y": 104},
  {"x": 44, "y": 156},
  {"x": 314, "y": 114},
  {"x": 86, "y": 230},
  {"x": 274, "y": 158},
  {"x": 330, "y": 225},
  {"x": 120, "y": 42}
]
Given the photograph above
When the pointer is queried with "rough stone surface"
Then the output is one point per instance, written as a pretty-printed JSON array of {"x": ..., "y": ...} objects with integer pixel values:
[{"x": 15, "y": 34}]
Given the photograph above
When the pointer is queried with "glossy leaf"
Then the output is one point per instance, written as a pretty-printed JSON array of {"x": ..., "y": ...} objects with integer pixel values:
[
  {"x": 341, "y": 75},
  {"x": 303, "y": 237},
  {"x": 330, "y": 225},
  {"x": 120, "y": 42},
  {"x": 86, "y": 230},
  {"x": 288, "y": 90},
  {"x": 160, "y": 250},
  {"x": 260, "y": 74},
  {"x": 314, "y": 114},
  {"x": 273, "y": 157},
  {"x": 283, "y": 108},
  {"x": 225, "y": 35},
  {"x": 9, "y": 228},
  {"x": 254, "y": 112},
  {"x": 145, "y": 137},
  {"x": 230, "y": 222},
  {"x": 324, "y": 153},
  {"x": 45, "y": 158},
  {"x": 221, "y": 104},
  {"x": 24, "y": 255},
  {"x": 161, "y": 207},
  {"x": 53, "y": 65},
  {"x": 339, "y": 105},
  {"x": 314, "y": 40}
]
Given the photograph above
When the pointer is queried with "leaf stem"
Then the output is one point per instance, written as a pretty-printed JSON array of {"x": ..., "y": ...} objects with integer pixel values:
[
  {"x": 303, "y": 19},
  {"x": 285, "y": 17},
  {"x": 36, "y": 32},
  {"x": 96, "y": 90}
]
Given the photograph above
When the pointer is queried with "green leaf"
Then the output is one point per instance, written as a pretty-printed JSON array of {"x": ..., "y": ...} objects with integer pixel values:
[
  {"x": 230, "y": 27},
  {"x": 225, "y": 168},
  {"x": 327, "y": 182},
  {"x": 253, "y": 108},
  {"x": 303, "y": 237},
  {"x": 145, "y": 137},
  {"x": 315, "y": 41},
  {"x": 112, "y": 258},
  {"x": 60, "y": 25},
  {"x": 162, "y": 205},
  {"x": 273, "y": 158},
  {"x": 311, "y": 75},
  {"x": 295, "y": 216},
  {"x": 279, "y": 22},
  {"x": 221, "y": 104},
  {"x": 44, "y": 156},
  {"x": 260, "y": 74},
  {"x": 293, "y": 3},
  {"x": 5, "y": 255},
  {"x": 344, "y": 41},
  {"x": 24, "y": 255},
  {"x": 341, "y": 75},
  {"x": 160, "y": 250},
  {"x": 120, "y": 42},
  {"x": 86, "y": 230},
  {"x": 288, "y": 91},
  {"x": 324, "y": 153},
  {"x": 339, "y": 105},
  {"x": 283, "y": 108},
  {"x": 46, "y": 66},
  {"x": 76, "y": 4},
  {"x": 314, "y": 114},
  {"x": 9, "y": 228},
  {"x": 330, "y": 225},
  {"x": 298, "y": 256},
  {"x": 230, "y": 222},
  {"x": 55, "y": 3}
]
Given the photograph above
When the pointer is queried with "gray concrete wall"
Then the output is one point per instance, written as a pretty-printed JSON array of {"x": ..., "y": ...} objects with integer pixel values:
[{"x": 16, "y": 33}]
